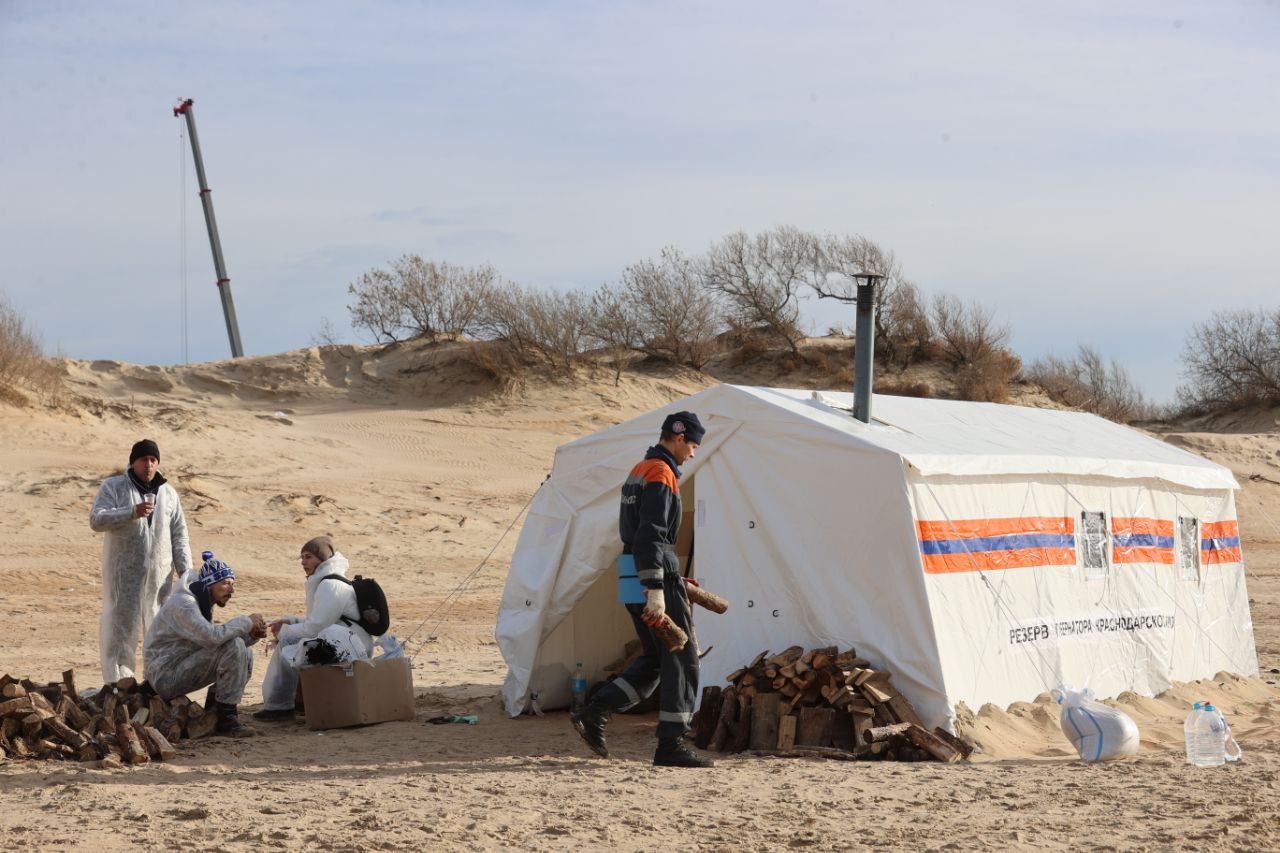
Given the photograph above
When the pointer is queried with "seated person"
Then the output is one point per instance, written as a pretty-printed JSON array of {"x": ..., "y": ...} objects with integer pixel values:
[
  {"x": 185, "y": 649},
  {"x": 332, "y": 615}
]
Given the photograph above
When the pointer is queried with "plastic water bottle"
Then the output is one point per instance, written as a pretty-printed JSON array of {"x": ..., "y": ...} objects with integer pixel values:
[
  {"x": 1210, "y": 738},
  {"x": 579, "y": 687},
  {"x": 1230, "y": 748},
  {"x": 1189, "y": 730}
]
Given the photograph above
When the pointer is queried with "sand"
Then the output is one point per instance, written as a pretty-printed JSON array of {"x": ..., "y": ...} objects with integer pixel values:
[{"x": 417, "y": 463}]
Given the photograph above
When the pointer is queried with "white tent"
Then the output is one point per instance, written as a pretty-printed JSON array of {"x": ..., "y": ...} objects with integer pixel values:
[{"x": 979, "y": 552}]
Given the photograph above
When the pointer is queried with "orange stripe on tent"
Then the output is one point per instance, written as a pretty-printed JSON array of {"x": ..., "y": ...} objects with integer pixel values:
[
  {"x": 976, "y": 528},
  {"x": 938, "y": 564},
  {"x": 1142, "y": 526},
  {"x": 1164, "y": 556},
  {"x": 1221, "y": 555},
  {"x": 1219, "y": 529}
]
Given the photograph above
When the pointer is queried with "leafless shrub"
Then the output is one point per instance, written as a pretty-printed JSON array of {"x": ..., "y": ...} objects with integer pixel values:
[
  {"x": 23, "y": 365},
  {"x": 326, "y": 335},
  {"x": 1232, "y": 360},
  {"x": 614, "y": 324},
  {"x": 761, "y": 277},
  {"x": 545, "y": 325},
  {"x": 676, "y": 318},
  {"x": 1089, "y": 383},
  {"x": 418, "y": 298},
  {"x": 975, "y": 346},
  {"x": 986, "y": 379},
  {"x": 498, "y": 361}
]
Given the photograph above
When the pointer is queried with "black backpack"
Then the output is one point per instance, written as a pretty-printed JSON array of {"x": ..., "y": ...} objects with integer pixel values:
[{"x": 371, "y": 601}]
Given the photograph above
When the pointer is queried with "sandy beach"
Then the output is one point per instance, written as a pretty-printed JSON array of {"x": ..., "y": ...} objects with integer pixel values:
[{"x": 418, "y": 464}]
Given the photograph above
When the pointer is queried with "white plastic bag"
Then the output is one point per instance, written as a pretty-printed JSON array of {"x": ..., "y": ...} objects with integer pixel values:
[
  {"x": 390, "y": 647},
  {"x": 1097, "y": 731}
]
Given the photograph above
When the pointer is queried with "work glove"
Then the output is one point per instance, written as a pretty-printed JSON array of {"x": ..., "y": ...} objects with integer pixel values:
[{"x": 655, "y": 607}]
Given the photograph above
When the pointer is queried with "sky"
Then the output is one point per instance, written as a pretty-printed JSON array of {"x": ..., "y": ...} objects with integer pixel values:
[{"x": 1098, "y": 173}]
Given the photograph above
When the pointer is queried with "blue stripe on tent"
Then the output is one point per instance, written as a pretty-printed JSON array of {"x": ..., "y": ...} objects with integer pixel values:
[
  {"x": 996, "y": 543},
  {"x": 1142, "y": 540},
  {"x": 1219, "y": 543}
]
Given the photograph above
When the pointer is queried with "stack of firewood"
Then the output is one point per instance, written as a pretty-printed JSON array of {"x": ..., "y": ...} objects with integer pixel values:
[
  {"x": 820, "y": 702},
  {"x": 117, "y": 725}
]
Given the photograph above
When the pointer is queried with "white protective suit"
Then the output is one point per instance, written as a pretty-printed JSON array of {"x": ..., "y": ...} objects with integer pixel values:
[
  {"x": 327, "y": 603},
  {"x": 185, "y": 651},
  {"x": 139, "y": 558}
]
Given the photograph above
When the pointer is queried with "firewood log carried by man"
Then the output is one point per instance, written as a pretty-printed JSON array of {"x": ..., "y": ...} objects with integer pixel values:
[
  {"x": 819, "y": 703},
  {"x": 119, "y": 724}
]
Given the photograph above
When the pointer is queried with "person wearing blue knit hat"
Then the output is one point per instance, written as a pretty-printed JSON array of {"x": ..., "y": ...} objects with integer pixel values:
[{"x": 186, "y": 650}]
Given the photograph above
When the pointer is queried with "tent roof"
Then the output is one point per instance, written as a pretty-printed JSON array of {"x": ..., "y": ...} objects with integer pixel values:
[{"x": 961, "y": 438}]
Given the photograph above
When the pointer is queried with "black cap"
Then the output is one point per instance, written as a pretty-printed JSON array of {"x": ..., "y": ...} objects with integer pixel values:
[
  {"x": 146, "y": 447},
  {"x": 686, "y": 424}
]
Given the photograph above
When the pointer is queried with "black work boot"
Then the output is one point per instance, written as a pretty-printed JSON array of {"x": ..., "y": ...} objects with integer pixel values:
[
  {"x": 229, "y": 722},
  {"x": 590, "y": 723},
  {"x": 279, "y": 715},
  {"x": 676, "y": 752}
]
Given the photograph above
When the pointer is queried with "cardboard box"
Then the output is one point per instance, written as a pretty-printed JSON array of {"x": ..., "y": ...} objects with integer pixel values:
[{"x": 359, "y": 693}]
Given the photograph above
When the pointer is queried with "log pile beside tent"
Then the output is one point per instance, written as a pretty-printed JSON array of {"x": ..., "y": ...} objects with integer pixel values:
[
  {"x": 980, "y": 552},
  {"x": 822, "y": 703}
]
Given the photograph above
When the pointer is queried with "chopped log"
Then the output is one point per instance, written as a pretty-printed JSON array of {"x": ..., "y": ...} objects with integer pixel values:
[
  {"x": 780, "y": 682},
  {"x": 764, "y": 721},
  {"x": 133, "y": 750},
  {"x": 758, "y": 659},
  {"x": 788, "y": 656},
  {"x": 965, "y": 748},
  {"x": 704, "y": 722},
  {"x": 32, "y": 724},
  {"x": 18, "y": 707},
  {"x": 789, "y": 689},
  {"x": 873, "y": 692},
  {"x": 68, "y": 710},
  {"x": 861, "y": 723},
  {"x": 203, "y": 725},
  {"x": 728, "y": 713},
  {"x": 194, "y": 710},
  {"x": 159, "y": 708},
  {"x": 807, "y": 657},
  {"x": 741, "y": 728},
  {"x": 41, "y": 703},
  {"x": 13, "y": 690},
  {"x": 157, "y": 744},
  {"x": 747, "y": 680},
  {"x": 91, "y": 730},
  {"x": 69, "y": 681},
  {"x": 170, "y": 728},
  {"x": 750, "y": 690},
  {"x": 814, "y": 752},
  {"x": 108, "y": 747},
  {"x": 883, "y": 733},
  {"x": 788, "y": 671},
  {"x": 140, "y": 717},
  {"x": 811, "y": 695},
  {"x": 65, "y": 733},
  {"x": 126, "y": 684},
  {"x": 20, "y": 747},
  {"x": 903, "y": 711},
  {"x": 821, "y": 660},
  {"x": 90, "y": 751},
  {"x": 49, "y": 748},
  {"x": 735, "y": 675},
  {"x": 802, "y": 666},
  {"x": 177, "y": 703},
  {"x": 883, "y": 716},
  {"x": 932, "y": 744},
  {"x": 786, "y": 732},
  {"x": 669, "y": 634},
  {"x": 815, "y": 727},
  {"x": 135, "y": 703},
  {"x": 10, "y": 728}
]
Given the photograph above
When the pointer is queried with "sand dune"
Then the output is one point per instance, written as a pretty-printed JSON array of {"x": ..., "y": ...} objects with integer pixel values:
[{"x": 418, "y": 461}]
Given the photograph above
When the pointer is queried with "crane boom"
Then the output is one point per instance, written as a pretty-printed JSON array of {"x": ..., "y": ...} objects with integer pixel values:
[{"x": 206, "y": 200}]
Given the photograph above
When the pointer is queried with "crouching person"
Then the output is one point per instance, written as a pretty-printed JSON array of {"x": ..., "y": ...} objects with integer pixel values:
[
  {"x": 186, "y": 650},
  {"x": 332, "y": 615}
]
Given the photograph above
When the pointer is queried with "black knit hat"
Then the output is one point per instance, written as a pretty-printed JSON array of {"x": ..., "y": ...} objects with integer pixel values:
[
  {"x": 686, "y": 424},
  {"x": 146, "y": 447}
]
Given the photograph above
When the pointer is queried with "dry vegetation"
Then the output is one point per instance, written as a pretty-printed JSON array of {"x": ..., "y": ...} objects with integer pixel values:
[
  {"x": 25, "y": 372},
  {"x": 738, "y": 302}
]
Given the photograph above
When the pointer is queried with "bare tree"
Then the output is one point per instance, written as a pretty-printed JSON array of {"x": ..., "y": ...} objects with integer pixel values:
[
  {"x": 902, "y": 323},
  {"x": 419, "y": 298},
  {"x": 1232, "y": 360},
  {"x": 677, "y": 318},
  {"x": 1090, "y": 383},
  {"x": 378, "y": 308},
  {"x": 537, "y": 324},
  {"x": 22, "y": 360},
  {"x": 615, "y": 325},
  {"x": 761, "y": 277}
]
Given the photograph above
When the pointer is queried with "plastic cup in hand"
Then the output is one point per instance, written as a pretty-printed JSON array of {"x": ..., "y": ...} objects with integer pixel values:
[{"x": 149, "y": 499}]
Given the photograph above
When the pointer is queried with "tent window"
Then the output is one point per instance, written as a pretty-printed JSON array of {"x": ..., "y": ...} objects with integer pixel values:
[
  {"x": 1188, "y": 548},
  {"x": 1093, "y": 544}
]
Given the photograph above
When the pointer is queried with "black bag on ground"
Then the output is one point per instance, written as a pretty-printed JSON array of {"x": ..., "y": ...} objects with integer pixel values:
[{"x": 371, "y": 601}]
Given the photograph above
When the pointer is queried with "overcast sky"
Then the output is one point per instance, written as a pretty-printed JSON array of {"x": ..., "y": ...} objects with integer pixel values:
[{"x": 1101, "y": 173}]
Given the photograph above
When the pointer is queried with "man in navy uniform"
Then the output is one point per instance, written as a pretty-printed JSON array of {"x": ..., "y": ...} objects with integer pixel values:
[{"x": 648, "y": 523}]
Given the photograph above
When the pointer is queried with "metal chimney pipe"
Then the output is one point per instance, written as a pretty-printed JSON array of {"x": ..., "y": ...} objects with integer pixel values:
[{"x": 864, "y": 347}]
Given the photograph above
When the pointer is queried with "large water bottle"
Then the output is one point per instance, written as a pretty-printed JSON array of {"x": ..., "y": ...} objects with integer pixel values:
[
  {"x": 1189, "y": 729},
  {"x": 1230, "y": 748},
  {"x": 1210, "y": 740},
  {"x": 578, "y": 684}
]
